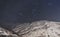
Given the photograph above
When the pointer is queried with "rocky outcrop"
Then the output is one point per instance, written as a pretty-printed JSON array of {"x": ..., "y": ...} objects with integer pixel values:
[{"x": 6, "y": 33}]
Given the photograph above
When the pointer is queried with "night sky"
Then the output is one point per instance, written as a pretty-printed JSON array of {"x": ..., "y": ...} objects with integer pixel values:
[
  {"x": 15, "y": 10},
  {"x": 21, "y": 11},
  {"x": 47, "y": 10}
]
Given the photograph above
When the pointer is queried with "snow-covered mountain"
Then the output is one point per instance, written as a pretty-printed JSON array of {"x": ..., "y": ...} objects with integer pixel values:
[{"x": 39, "y": 29}]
